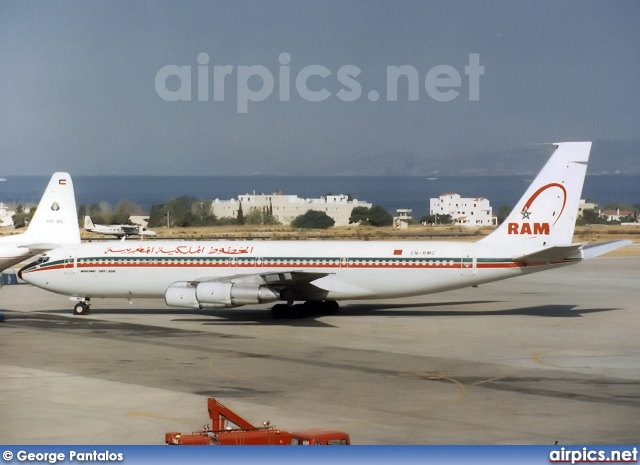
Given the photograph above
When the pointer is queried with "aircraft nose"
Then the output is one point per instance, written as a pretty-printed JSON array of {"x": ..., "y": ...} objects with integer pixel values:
[
  {"x": 25, "y": 274},
  {"x": 26, "y": 268}
]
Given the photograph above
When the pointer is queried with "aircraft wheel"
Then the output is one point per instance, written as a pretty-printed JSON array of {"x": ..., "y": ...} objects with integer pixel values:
[
  {"x": 330, "y": 307},
  {"x": 279, "y": 311},
  {"x": 313, "y": 306},
  {"x": 297, "y": 311},
  {"x": 81, "y": 308}
]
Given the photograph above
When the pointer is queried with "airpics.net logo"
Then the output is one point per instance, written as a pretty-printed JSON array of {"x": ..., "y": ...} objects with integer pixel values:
[{"x": 257, "y": 83}]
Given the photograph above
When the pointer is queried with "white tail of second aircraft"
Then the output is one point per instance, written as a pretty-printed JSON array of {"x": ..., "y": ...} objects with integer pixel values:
[
  {"x": 546, "y": 213},
  {"x": 55, "y": 222},
  {"x": 88, "y": 224}
]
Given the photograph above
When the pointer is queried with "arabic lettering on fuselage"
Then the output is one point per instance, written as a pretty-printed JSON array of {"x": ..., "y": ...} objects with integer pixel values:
[{"x": 179, "y": 250}]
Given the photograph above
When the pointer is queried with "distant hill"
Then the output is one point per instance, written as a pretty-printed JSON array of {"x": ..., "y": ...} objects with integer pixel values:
[
  {"x": 613, "y": 156},
  {"x": 607, "y": 157}
]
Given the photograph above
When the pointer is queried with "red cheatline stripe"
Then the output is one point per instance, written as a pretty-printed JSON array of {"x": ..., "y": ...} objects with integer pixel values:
[{"x": 47, "y": 268}]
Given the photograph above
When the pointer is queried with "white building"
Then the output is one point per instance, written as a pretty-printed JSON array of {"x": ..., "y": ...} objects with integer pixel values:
[
  {"x": 584, "y": 205},
  {"x": 403, "y": 218},
  {"x": 140, "y": 220},
  {"x": 463, "y": 211},
  {"x": 615, "y": 215},
  {"x": 6, "y": 215},
  {"x": 287, "y": 207}
]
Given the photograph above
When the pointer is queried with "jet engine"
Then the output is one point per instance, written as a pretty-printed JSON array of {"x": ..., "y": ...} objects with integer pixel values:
[{"x": 217, "y": 294}]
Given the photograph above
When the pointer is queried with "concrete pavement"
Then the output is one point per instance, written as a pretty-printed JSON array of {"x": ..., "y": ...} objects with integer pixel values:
[{"x": 551, "y": 356}]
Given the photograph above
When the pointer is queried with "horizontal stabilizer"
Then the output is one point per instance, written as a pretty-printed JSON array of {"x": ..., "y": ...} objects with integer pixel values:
[
  {"x": 594, "y": 250},
  {"x": 550, "y": 254},
  {"x": 42, "y": 247}
]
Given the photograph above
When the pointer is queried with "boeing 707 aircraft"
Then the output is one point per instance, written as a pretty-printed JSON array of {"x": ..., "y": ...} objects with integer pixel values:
[
  {"x": 536, "y": 236},
  {"x": 54, "y": 224}
]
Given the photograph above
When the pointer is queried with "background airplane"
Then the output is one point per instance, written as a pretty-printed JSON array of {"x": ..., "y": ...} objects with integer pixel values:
[
  {"x": 536, "y": 236},
  {"x": 54, "y": 224},
  {"x": 118, "y": 230}
]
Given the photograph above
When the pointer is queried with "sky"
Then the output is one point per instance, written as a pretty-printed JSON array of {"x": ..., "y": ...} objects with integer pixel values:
[{"x": 302, "y": 87}]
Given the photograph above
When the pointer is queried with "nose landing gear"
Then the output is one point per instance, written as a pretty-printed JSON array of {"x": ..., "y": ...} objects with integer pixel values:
[{"x": 83, "y": 307}]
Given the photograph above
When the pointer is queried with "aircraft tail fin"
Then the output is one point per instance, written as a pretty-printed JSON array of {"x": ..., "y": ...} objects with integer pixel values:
[
  {"x": 546, "y": 214},
  {"x": 55, "y": 220},
  {"x": 88, "y": 223}
]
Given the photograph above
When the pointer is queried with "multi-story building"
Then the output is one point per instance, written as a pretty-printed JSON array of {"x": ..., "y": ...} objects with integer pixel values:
[
  {"x": 285, "y": 208},
  {"x": 5, "y": 215},
  {"x": 584, "y": 205},
  {"x": 463, "y": 211}
]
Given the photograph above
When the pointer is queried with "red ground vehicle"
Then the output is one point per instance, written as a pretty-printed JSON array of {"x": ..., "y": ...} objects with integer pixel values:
[{"x": 219, "y": 433}]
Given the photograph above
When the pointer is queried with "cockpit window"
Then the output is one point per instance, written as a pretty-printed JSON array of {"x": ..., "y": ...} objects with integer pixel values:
[{"x": 41, "y": 260}]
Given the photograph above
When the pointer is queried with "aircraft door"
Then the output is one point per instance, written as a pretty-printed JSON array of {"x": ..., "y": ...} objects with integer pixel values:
[
  {"x": 69, "y": 263},
  {"x": 468, "y": 263},
  {"x": 344, "y": 262}
]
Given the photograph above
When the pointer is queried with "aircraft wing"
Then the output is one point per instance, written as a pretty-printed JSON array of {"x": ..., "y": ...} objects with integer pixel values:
[
  {"x": 284, "y": 278},
  {"x": 549, "y": 254}
]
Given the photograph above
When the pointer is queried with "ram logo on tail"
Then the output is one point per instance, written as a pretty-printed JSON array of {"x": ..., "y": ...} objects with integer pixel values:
[
  {"x": 529, "y": 228},
  {"x": 554, "y": 192}
]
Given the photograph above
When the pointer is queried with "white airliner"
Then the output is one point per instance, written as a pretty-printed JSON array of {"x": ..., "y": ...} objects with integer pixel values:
[
  {"x": 536, "y": 236},
  {"x": 54, "y": 224},
  {"x": 118, "y": 230}
]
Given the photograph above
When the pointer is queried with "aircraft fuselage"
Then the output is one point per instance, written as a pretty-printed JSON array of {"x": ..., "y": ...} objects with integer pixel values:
[{"x": 354, "y": 270}]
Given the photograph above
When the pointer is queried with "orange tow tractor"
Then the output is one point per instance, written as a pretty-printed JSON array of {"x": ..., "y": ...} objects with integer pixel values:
[{"x": 244, "y": 433}]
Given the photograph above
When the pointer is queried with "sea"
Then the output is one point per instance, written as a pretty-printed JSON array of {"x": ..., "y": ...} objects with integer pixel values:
[{"x": 392, "y": 192}]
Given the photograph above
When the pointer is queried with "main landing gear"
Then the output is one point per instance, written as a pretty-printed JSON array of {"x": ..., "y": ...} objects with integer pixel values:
[
  {"x": 83, "y": 307},
  {"x": 325, "y": 307}
]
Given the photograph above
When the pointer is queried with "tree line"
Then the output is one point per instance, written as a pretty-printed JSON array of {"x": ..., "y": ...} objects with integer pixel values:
[{"x": 188, "y": 211}]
